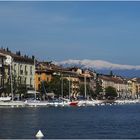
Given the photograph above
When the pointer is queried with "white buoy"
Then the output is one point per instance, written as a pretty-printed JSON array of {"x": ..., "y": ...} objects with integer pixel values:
[{"x": 39, "y": 134}]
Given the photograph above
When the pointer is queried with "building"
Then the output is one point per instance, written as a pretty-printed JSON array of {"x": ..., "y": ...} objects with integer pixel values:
[
  {"x": 23, "y": 68},
  {"x": 73, "y": 79},
  {"x": 134, "y": 87},
  {"x": 42, "y": 75},
  {"x": 3, "y": 68},
  {"x": 119, "y": 83},
  {"x": 45, "y": 72}
]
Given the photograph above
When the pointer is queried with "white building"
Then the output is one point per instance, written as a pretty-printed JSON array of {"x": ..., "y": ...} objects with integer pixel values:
[
  {"x": 119, "y": 83},
  {"x": 23, "y": 69}
]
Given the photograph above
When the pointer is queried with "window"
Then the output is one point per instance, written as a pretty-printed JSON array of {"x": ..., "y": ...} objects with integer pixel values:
[
  {"x": 48, "y": 79},
  {"x": 19, "y": 80},
  {"x": 25, "y": 81},
  {"x": 30, "y": 81},
  {"x": 26, "y": 70},
  {"x": 38, "y": 78},
  {"x": 21, "y": 71},
  {"x": 39, "y": 86},
  {"x": 14, "y": 68},
  {"x": 31, "y": 70}
]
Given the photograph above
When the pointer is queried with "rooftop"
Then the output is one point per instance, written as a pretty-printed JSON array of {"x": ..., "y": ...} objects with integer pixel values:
[{"x": 16, "y": 56}]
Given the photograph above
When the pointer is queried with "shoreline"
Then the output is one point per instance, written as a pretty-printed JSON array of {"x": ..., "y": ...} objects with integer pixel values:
[{"x": 23, "y": 104}]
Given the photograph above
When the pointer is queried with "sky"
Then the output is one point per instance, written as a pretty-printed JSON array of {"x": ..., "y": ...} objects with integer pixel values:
[{"x": 59, "y": 31}]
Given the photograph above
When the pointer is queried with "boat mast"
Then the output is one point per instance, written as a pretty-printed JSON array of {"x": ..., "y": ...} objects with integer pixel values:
[
  {"x": 34, "y": 79},
  {"x": 85, "y": 85},
  {"x": 9, "y": 62},
  {"x": 62, "y": 85},
  {"x": 69, "y": 88},
  {"x": 11, "y": 77}
]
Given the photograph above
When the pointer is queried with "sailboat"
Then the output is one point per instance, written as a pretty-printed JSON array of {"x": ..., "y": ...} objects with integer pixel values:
[
  {"x": 83, "y": 102},
  {"x": 71, "y": 103},
  {"x": 87, "y": 102},
  {"x": 66, "y": 101}
]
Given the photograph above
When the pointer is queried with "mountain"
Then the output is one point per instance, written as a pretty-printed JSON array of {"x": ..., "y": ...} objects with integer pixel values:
[{"x": 103, "y": 67}]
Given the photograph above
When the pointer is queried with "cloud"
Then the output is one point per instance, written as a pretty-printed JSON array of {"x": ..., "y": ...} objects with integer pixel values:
[{"x": 97, "y": 64}]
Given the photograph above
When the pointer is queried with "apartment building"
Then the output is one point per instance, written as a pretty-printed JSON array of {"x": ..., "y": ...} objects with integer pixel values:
[
  {"x": 42, "y": 75},
  {"x": 134, "y": 87},
  {"x": 45, "y": 72},
  {"x": 3, "y": 68},
  {"x": 73, "y": 79},
  {"x": 23, "y": 68},
  {"x": 119, "y": 83}
]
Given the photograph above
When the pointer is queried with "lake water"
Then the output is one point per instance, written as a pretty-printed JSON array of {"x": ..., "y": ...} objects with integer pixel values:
[{"x": 107, "y": 122}]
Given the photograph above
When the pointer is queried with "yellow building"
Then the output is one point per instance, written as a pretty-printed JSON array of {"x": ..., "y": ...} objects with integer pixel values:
[
  {"x": 132, "y": 87},
  {"x": 73, "y": 78},
  {"x": 42, "y": 75},
  {"x": 44, "y": 72},
  {"x": 135, "y": 87}
]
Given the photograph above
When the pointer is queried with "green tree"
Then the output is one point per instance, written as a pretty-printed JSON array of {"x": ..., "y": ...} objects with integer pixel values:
[
  {"x": 55, "y": 86},
  {"x": 21, "y": 90},
  {"x": 89, "y": 90},
  {"x": 110, "y": 92},
  {"x": 98, "y": 87},
  {"x": 7, "y": 88},
  {"x": 15, "y": 85}
]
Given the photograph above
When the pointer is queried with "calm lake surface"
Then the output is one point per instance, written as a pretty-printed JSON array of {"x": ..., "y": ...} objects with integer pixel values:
[{"x": 107, "y": 122}]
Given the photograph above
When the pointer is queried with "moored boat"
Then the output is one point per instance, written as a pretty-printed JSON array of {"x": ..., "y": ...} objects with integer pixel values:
[
  {"x": 73, "y": 103},
  {"x": 5, "y": 99},
  {"x": 36, "y": 103}
]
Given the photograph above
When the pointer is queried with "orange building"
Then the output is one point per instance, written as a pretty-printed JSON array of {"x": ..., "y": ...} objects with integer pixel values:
[{"x": 42, "y": 75}]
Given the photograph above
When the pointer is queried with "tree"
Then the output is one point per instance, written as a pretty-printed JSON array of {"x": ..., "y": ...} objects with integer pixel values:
[
  {"x": 55, "y": 86},
  {"x": 7, "y": 88},
  {"x": 18, "y": 89},
  {"x": 98, "y": 87},
  {"x": 89, "y": 90},
  {"x": 21, "y": 90},
  {"x": 110, "y": 92}
]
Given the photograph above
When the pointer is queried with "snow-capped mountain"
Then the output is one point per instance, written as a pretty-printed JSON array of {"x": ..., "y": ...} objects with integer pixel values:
[{"x": 103, "y": 66}]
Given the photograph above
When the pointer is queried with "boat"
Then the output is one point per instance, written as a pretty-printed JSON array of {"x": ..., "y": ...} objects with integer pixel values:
[
  {"x": 5, "y": 99},
  {"x": 67, "y": 102},
  {"x": 34, "y": 103},
  {"x": 13, "y": 104},
  {"x": 73, "y": 103}
]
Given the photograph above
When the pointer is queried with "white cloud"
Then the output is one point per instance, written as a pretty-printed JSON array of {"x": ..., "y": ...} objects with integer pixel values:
[{"x": 98, "y": 64}]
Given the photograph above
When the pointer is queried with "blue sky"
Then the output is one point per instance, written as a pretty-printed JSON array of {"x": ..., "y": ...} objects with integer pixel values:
[{"x": 73, "y": 30}]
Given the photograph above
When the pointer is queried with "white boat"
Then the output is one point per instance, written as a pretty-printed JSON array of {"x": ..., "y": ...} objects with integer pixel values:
[
  {"x": 93, "y": 102},
  {"x": 89, "y": 102},
  {"x": 127, "y": 101},
  {"x": 36, "y": 103},
  {"x": 13, "y": 103},
  {"x": 5, "y": 99}
]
